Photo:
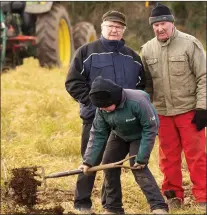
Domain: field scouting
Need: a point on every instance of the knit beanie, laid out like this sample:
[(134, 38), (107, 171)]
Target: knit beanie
[(105, 93), (161, 13)]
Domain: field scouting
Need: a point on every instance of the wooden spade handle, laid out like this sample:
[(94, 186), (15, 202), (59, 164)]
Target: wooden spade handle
[(112, 165), (93, 169), (63, 174)]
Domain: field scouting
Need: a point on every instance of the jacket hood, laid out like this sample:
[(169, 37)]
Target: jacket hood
[(105, 92)]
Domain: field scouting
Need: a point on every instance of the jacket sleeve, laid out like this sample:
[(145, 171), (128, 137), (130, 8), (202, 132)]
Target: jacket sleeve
[(149, 121), (76, 82), (98, 137), (141, 83), (198, 66), (148, 77)]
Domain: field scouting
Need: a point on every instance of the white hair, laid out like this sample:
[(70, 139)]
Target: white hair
[(104, 22)]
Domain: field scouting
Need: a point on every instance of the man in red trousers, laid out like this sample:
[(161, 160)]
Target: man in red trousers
[(175, 69)]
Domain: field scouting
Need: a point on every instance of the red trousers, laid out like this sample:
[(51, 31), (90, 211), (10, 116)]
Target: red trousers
[(177, 134)]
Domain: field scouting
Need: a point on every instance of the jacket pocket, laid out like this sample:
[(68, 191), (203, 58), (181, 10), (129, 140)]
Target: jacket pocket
[(102, 64), (177, 65), (103, 68), (153, 66)]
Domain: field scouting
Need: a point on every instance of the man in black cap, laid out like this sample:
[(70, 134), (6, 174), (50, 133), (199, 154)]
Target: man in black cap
[(110, 58), (132, 122), (175, 68)]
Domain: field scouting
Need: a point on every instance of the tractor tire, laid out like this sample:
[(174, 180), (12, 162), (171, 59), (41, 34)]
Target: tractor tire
[(83, 32), (54, 37)]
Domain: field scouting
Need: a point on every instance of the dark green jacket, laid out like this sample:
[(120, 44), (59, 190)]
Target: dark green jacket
[(134, 119)]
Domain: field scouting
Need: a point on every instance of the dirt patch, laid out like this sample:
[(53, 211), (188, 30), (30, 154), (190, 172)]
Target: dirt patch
[(23, 186), (21, 195), (56, 210)]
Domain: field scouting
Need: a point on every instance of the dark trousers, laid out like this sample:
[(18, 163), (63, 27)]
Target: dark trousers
[(116, 150), (84, 185)]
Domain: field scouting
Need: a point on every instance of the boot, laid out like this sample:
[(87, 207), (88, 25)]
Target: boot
[(108, 211), (159, 211), (85, 211), (172, 201)]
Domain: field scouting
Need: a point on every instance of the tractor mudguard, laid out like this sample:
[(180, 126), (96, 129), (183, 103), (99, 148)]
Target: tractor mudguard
[(38, 7)]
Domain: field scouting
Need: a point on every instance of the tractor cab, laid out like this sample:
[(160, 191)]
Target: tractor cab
[(13, 6), (17, 20)]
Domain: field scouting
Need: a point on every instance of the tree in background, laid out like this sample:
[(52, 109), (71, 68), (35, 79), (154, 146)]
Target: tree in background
[(190, 18)]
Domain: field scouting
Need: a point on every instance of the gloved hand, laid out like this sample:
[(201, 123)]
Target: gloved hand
[(139, 166), (200, 119), (84, 168)]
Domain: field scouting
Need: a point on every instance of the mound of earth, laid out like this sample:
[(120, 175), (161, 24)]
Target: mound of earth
[(21, 195), (23, 186)]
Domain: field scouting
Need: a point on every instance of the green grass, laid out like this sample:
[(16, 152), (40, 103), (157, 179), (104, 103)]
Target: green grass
[(40, 125)]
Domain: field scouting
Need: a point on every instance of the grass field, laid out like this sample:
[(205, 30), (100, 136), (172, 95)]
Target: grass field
[(40, 125)]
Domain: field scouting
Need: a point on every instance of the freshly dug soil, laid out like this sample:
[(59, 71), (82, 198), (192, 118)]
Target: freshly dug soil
[(22, 196), (23, 186), (57, 210), (48, 202)]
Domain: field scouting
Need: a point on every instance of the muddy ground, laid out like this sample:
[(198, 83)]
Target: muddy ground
[(22, 195)]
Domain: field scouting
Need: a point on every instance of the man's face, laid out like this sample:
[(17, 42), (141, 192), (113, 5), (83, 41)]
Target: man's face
[(112, 30), (109, 109), (163, 30)]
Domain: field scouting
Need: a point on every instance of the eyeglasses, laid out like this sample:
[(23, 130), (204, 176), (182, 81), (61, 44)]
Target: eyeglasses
[(118, 28)]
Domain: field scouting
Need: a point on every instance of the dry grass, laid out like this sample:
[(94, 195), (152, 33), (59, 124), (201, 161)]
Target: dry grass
[(40, 125)]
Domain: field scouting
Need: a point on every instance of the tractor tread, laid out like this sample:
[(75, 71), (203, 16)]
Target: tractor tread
[(47, 40), (82, 33)]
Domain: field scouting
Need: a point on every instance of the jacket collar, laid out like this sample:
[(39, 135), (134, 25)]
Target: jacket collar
[(175, 33), (112, 45)]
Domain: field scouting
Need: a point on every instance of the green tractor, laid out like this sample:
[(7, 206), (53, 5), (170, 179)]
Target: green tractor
[(41, 30)]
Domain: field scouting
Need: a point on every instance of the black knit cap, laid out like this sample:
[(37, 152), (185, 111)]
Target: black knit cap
[(161, 13), (105, 93), (114, 16)]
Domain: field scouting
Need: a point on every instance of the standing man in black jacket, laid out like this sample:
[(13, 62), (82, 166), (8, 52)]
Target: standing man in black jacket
[(110, 58)]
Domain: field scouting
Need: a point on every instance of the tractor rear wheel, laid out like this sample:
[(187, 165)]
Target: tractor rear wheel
[(54, 38), (83, 33)]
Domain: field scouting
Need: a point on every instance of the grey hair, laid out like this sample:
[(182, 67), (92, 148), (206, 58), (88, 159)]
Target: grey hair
[(102, 24)]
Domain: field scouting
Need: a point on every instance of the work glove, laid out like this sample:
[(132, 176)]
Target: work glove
[(200, 119), (139, 165)]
